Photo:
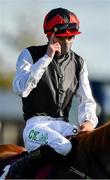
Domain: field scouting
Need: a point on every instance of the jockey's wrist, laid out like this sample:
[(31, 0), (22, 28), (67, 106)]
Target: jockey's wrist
[(87, 126)]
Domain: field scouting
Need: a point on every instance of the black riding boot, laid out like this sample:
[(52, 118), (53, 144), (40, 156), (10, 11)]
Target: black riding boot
[(73, 151), (26, 166), (22, 167)]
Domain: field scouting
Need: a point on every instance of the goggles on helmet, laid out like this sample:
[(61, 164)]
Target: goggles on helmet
[(61, 28)]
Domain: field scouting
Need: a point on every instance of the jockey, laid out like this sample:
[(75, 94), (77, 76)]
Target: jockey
[(47, 78)]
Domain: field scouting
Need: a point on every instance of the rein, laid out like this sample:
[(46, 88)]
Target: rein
[(79, 173)]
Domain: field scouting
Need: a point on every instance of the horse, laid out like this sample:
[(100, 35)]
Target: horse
[(90, 159), (93, 152)]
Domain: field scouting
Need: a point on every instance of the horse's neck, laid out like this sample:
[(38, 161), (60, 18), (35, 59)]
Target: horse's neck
[(8, 150), (96, 140)]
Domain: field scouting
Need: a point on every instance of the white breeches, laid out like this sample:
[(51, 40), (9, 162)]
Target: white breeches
[(45, 130)]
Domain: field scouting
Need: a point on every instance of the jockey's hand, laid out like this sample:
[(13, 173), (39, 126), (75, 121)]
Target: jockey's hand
[(86, 126), (53, 46)]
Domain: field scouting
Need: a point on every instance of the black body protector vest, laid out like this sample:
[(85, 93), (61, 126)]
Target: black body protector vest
[(53, 93)]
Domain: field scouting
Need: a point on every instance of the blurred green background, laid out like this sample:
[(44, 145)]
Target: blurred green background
[(21, 25)]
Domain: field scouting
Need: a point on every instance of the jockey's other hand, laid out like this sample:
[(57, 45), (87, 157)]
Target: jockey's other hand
[(86, 126)]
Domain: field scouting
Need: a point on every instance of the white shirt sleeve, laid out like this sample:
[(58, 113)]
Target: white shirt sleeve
[(86, 102), (28, 74)]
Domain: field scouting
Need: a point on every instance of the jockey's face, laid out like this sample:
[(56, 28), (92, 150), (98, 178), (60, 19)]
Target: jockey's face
[(65, 42)]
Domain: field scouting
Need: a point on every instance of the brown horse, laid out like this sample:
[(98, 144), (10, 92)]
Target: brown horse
[(93, 152), (96, 140), (92, 157)]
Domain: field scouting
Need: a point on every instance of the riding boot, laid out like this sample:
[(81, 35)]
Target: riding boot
[(20, 169), (50, 155), (73, 151), (26, 166)]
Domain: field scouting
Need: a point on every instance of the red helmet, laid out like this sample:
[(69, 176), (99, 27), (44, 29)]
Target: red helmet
[(62, 22)]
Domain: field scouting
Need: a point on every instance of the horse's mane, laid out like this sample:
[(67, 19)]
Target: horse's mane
[(95, 141)]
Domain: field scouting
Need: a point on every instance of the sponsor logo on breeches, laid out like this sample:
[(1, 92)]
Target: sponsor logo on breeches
[(36, 136)]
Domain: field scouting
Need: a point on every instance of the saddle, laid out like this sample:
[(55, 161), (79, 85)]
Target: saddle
[(37, 164)]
